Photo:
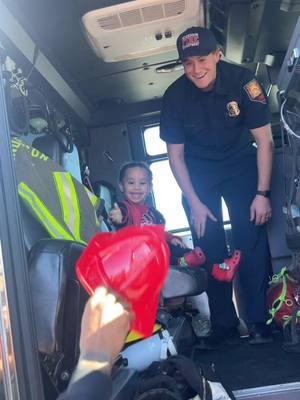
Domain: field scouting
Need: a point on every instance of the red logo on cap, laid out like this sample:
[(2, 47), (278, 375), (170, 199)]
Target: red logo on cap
[(190, 40)]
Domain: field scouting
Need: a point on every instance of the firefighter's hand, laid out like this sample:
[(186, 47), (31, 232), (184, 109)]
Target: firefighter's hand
[(260, 210), (104, 327), (199, 213), (115, 214), (176, 241)]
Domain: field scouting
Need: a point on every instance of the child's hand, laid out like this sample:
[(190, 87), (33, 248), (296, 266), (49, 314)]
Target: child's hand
[(176, 241), (115, 214)]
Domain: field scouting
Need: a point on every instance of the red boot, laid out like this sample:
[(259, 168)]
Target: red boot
[(226, 271), (193, 258)]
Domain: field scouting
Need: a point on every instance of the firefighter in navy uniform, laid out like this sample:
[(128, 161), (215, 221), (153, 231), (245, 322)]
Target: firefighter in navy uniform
[(209, 118)]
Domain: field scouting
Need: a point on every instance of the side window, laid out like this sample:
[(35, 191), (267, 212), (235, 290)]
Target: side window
[(167, 194)]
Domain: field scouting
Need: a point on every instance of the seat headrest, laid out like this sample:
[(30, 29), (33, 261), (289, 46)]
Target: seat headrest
[(106, 192), (49, 145)]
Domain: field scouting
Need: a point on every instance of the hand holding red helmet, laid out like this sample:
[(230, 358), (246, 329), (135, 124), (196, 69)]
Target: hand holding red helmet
[(132, 263)]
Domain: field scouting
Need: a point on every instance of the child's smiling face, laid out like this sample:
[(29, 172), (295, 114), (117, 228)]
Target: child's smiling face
[(136, 185)]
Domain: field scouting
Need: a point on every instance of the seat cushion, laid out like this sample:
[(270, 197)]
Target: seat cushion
[(184, 281)]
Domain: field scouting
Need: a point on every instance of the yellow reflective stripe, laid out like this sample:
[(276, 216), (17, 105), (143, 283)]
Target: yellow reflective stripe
[(69, 202), (75, 205), (40, 210), (93, 198), (16, 144), (63, 202)]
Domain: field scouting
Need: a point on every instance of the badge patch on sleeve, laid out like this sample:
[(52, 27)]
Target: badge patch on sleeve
[(255, 92)]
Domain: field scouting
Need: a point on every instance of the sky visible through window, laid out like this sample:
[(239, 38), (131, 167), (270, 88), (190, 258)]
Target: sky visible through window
[(168, 196), (166, 192), (154, 144)]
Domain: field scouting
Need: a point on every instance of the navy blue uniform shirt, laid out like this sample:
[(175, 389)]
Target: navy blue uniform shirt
[(214, 125)]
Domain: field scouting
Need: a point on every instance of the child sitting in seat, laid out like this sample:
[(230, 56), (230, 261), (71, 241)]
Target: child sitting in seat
[(135, 180)]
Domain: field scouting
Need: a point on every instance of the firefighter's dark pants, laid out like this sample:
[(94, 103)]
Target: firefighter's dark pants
[(236, 182)]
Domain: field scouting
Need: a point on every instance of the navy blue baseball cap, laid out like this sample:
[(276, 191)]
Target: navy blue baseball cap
[(196, 41)]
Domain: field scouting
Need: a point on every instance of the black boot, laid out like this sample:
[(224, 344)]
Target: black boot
[(220, 336), (260, 333)]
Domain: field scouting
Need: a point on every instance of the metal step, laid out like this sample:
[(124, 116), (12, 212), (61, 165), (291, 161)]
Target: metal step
[(286, 391)]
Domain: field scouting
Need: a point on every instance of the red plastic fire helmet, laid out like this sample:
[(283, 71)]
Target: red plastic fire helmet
[(133, 262)]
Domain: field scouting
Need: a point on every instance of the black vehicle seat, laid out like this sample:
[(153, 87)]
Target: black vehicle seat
[(107, 193), (58, 301), (48, 145), (58, 298)]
